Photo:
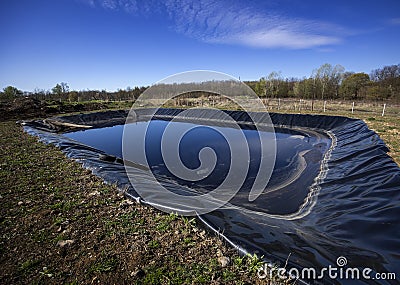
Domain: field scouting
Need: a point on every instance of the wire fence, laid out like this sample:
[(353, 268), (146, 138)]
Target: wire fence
[(293, 105), (374, 108)]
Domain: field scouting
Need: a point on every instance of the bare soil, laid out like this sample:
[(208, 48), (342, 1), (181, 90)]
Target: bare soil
[(28, 107)]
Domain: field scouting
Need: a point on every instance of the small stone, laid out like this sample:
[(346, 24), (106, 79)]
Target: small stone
[(63, 243), (94, 193), (20, 203), (223, 260), (138, 273), (129, 202), (126, 203)]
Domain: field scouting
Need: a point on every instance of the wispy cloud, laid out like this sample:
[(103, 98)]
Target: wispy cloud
[(129, 6), (232, 22), (394, 21)]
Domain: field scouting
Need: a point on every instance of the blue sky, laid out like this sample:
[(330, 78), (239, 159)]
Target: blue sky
[(110, 44)]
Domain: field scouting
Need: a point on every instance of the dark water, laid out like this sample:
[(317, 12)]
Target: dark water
[(298, 158)]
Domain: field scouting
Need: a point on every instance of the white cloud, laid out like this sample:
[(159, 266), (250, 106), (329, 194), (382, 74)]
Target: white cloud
[(232, 22), (229, 23), (129, 6), (109, 4), (279, 38), (394, 21)]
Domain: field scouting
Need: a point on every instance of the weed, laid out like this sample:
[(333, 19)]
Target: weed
[(105, 264), (188, 222), (172, 217), (228, 275), (253, 263), (127, 218), (89, 218), (239, 261), (58, 220), (187, 240), (153, 276), (57, 206), (41, 235), (29, 265), (154, 244), (163, 226)]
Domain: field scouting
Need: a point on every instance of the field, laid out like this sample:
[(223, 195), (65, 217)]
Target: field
[(387, 126), (61, 224)]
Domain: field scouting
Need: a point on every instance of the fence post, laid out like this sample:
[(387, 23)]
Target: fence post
[(352, 108), (383, 111), (279, 103), (324, 106), (300, 105)]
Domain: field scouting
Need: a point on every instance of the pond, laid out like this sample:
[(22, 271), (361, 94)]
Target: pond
[(298, 157)]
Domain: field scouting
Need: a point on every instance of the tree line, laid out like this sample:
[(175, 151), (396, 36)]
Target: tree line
[(327, 82), (333, 82), (61, 92)]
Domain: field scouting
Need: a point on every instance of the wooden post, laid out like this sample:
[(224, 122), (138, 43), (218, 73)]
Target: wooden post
[(384, 108), (324, 106), (352, 108), (279, 103), (300, 105)]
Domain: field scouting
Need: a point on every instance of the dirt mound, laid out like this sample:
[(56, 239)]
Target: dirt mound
[(21, 106), (28, 107)]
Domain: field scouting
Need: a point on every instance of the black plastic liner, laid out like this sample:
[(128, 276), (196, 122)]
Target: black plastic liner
[(357, 202)]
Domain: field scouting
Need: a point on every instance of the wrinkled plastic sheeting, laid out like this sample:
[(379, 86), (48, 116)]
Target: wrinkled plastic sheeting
[(358, 202)]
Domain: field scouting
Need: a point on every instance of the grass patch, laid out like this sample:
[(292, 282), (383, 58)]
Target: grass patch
[(105, 264), (154, 244), (28, 265)]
